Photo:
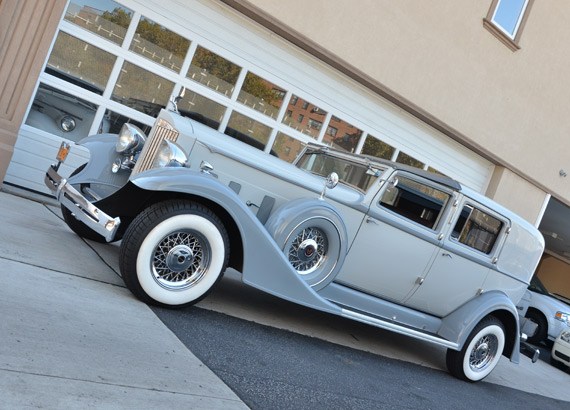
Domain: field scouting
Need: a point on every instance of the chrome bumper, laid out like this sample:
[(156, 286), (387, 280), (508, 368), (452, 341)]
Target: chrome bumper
[(81, 208)]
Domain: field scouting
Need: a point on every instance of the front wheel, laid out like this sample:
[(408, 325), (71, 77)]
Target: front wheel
[(173, 253), (481, 351)]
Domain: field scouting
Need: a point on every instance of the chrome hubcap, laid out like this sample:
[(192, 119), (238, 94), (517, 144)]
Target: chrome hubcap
[(483, 352), (180, 260), (308, 250)]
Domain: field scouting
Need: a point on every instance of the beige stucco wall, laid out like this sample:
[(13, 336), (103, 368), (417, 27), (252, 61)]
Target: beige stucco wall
[(517, 194), (27, 28), (437, 56)]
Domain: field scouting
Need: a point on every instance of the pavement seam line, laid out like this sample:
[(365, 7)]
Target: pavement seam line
[(87, 243), (62, 272), (115, 384)]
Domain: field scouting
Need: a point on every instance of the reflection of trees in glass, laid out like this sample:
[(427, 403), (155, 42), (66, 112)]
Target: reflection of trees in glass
[(216, 65), (119, 16), (406, 159), (262, 89), (162, 37), (376, 148), (261, 95), (111, 25)]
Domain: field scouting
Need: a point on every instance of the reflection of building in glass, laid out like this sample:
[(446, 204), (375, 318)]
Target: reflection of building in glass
[(304, 117), (342, 135)]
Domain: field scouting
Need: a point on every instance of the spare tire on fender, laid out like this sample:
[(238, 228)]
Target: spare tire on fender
[(313, 238)]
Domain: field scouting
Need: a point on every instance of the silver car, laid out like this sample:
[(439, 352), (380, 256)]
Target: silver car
[(370, 240)]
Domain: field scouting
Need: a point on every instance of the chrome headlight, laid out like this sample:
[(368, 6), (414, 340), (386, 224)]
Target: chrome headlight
[(565, 335), (563, 317), (169, 155), (131, 139), (67, 123)]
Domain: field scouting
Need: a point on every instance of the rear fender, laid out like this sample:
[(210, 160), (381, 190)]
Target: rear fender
[(458, 325), (264, 264)]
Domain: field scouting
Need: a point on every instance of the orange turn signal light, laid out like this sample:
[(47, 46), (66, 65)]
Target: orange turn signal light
[(63, 151)]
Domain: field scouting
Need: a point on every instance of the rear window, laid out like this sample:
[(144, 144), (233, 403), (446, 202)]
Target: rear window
[(477, 229)]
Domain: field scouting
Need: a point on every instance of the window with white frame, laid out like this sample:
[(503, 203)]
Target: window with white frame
[(506, 19), (111, 64)]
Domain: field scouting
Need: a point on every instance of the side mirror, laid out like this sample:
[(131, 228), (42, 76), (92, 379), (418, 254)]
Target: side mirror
[(330, 183)]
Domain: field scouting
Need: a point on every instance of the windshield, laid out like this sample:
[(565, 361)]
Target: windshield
[(537, 286), (351, 173)]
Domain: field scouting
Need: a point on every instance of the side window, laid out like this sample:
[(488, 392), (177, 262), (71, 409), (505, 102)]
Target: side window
[(416, 201), (506, 19), (477, 229)]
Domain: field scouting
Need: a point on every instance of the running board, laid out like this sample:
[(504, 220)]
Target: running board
[(403, 330)]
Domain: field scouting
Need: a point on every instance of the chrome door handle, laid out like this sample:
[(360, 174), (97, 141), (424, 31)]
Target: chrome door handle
[(370, 220), (447, 254)]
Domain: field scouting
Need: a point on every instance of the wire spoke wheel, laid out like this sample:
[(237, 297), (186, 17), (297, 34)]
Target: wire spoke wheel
[(308, 250), (483, 352), (180, 259)]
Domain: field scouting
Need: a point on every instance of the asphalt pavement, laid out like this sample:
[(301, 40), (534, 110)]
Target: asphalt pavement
[(72, 336)]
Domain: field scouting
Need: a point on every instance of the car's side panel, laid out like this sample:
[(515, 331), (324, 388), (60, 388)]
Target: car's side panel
[(265, 266)]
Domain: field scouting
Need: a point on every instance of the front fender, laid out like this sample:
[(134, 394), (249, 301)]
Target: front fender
[(458, 325), (102, 154), (264, 264)]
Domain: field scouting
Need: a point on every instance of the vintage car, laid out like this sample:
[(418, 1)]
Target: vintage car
[(370, 240)]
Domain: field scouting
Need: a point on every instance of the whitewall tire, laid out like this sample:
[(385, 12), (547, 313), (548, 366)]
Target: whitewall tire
[(481, 352), (174, 253)]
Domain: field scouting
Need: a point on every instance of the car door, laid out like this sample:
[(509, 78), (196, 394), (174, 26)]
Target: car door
[(398, 239), (461, 266)]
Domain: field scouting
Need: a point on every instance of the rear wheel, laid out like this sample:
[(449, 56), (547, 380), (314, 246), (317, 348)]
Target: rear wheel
[(174, 253), (481, 351)]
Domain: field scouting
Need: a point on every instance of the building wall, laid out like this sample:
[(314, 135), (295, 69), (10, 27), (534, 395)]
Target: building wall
[(27, 28), (509, 105), (554, 274), (517, 194)]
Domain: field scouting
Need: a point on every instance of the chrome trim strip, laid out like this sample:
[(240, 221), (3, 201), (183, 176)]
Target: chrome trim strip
[(399, 329), (159, 133), (81, 208)]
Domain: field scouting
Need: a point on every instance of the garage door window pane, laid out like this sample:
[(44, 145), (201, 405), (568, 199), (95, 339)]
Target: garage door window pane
[(80, 63), (342, 135), (159, 44), (304, 116), (247, 130), (261, 95), (377, 148), (112, 123), (406, 159), (61, 114), (142, 90), (213, 71), (107, 19), (286, 147), (202, 109)]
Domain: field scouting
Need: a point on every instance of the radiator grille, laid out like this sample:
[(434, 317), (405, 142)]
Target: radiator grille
[(159, 134)]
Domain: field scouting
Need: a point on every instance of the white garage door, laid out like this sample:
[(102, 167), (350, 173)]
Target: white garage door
[(118, 61)]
